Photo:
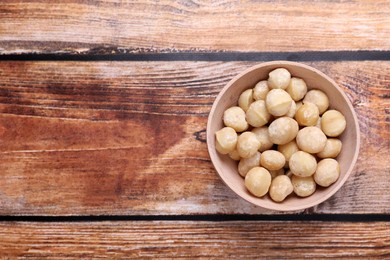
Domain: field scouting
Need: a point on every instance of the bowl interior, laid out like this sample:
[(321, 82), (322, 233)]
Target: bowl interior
[(227, 168)]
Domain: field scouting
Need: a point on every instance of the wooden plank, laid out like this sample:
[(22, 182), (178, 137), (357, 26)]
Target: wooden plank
[(127, 138), (75, 26), (194, 239)]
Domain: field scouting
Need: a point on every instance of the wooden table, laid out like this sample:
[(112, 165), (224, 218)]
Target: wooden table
[(103, 110)]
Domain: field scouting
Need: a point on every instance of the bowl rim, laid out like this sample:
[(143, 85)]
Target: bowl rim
[(345, 97)]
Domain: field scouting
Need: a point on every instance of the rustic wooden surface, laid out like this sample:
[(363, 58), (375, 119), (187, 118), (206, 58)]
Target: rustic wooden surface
[(74, 26), (102, 150), (188, 239)]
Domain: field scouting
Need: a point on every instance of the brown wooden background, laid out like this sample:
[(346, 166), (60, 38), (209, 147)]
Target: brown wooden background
[(103, 110)]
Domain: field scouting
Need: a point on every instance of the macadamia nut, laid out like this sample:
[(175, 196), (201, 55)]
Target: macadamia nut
[(327, 173), (276, 173), (245, 99), (258, 181), (283, 130), (280, 188), (307, 114), (257, 114), (234, 117), (332, 148), (263, 136), (302, 164), (226, 140), (311, 139), (303, 186), (288, 149), (318, 98), (246, 164), (261, 90), (234, 155), (296, 88), (279, 78), (293, 110), (272, 160), (247, 144), (278, 102), (333, 123)]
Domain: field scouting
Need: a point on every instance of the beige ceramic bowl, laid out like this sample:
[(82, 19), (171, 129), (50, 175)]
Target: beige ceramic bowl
[(227, 168)]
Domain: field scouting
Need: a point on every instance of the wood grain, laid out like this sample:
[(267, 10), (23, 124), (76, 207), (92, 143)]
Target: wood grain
[(128, 138), (195, 239), (81, 26)]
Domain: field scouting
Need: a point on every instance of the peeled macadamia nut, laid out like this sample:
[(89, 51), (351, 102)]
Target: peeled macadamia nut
[(296, 88), (327, 173), (302, 164), (257, 181), (261, 90), (293, 109), (234, 117), (279, 78), (278, 102), (283, 130), (280, 188), (333, 123), (311, 139), (276, 173), (226, 140), (246, 164), (299, 104), (234, 155), (272, 160), (318, 98), (263, 136), (257, 114), (303, 186), (247, 144), (318, 124), (332, 148), (288, 149), (245, 99), (307, 114)]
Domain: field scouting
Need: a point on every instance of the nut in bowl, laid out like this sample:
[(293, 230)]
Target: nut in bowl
[(280, 126)]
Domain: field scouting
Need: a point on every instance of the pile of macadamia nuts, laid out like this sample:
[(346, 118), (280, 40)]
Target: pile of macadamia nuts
[(283, 136)]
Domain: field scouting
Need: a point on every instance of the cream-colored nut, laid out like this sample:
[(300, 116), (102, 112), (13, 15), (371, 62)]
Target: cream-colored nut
[(332, 148), (318, 98), (234, 155), (257, 114), (272, 160), (333, 123), (226, 140), (288, 149), (302, 164), (263, 136), (280, 188), (318, 124), (279, 78), (311, 139), (296, 88), (234, 117), (278, 102), (247, 144), (257, 181), (307, 114), (327, 173), (283, 130), (299, 104), (246, 164), (245, 99), (293, 110), (303, 186), (261, 90), (276, 173)]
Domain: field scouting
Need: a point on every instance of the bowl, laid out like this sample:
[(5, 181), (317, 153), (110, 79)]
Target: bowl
[(227, 168)]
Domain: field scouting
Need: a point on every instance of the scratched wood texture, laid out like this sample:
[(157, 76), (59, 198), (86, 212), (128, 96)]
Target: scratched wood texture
[(74, 26), (207, 240), (128, 138)]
